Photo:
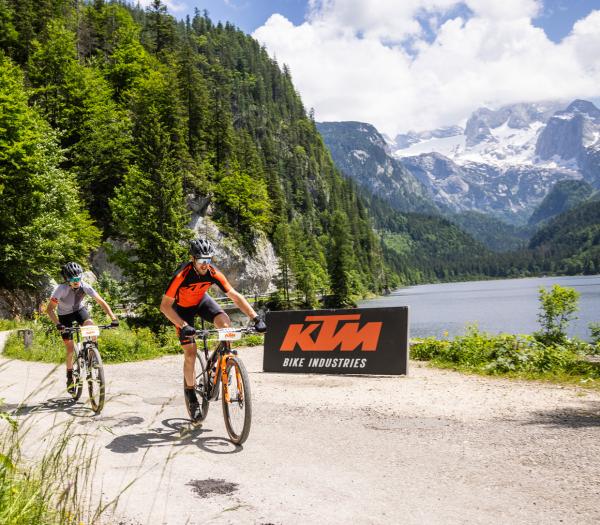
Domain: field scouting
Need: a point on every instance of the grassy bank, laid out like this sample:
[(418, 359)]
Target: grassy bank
[(116, 346), (519, 356)]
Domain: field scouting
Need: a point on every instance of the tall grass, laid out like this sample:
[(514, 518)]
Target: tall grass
[(53, 490)]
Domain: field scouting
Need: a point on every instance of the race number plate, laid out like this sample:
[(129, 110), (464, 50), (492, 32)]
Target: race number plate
[(90, 331), (226, 334)]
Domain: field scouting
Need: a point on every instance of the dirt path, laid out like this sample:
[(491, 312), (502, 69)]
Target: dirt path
[(434, 447)]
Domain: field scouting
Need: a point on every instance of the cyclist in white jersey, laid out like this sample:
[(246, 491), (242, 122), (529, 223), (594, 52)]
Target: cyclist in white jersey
[(68, 299)]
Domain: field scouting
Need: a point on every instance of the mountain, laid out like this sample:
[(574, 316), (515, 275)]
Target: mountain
[(573, 136), (508, 193), (424, 248), (361, 152), (564, 195), (495, 234), (570, 242), (504, 162)]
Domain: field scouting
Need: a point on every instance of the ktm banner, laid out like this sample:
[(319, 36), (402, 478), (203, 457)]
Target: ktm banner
[(357, 341)]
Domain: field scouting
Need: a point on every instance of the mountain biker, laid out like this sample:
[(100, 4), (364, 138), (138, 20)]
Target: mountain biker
[(68, 297), (186, 297)]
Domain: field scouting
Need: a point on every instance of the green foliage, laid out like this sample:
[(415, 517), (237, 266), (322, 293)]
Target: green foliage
[(557, 309), (116, 346), (245, 201), (41, 216), (122, 345), (515, 355), (595, 332), (115, 293), (564, 195)]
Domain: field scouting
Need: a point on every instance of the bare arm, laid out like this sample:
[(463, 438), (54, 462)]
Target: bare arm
[(240, 301), (105, 307), (50, 310), (166, 307)]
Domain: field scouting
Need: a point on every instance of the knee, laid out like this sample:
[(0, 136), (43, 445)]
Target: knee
[(222, 320)]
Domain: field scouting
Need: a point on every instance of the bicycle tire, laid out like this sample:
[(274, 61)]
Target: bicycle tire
[(95, 378), (200, 386), (238, 399), (78, 372)]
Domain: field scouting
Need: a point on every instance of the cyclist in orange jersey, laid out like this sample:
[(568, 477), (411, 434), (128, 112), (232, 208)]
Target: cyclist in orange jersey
[(186, 298)]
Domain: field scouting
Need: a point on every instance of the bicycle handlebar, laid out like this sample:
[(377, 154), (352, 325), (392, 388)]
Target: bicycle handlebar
[(73, 329), (244, 330)]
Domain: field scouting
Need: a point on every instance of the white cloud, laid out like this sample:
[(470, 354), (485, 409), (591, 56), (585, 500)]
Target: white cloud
[(347, 63)]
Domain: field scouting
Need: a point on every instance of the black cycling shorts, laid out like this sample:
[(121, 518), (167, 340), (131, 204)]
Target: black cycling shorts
[(207, 309), (68, 319)]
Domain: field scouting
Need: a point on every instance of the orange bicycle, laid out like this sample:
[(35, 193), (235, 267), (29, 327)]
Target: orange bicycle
[(223, 368)]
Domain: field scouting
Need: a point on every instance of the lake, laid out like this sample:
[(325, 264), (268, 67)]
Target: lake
[(510, 305)]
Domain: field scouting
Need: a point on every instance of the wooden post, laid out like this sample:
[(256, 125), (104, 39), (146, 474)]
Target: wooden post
[(27, 335)]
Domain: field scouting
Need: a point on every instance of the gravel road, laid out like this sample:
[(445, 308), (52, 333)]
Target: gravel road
[(433, 447)]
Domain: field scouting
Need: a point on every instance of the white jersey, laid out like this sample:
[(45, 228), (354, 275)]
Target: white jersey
[(69, 299)]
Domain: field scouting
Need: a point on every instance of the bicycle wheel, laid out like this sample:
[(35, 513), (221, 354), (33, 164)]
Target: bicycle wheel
[(201, 387), (78, 373), (237, 401), (95, 378)]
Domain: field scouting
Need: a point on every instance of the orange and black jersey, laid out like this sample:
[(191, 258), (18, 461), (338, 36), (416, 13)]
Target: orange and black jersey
[(188, 287)]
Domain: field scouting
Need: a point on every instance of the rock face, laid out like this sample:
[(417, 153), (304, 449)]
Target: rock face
[(510, 194), (571, 134), (361, 153), (248, 274)]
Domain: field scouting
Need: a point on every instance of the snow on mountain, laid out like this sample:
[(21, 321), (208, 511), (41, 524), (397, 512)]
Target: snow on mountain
[(502, 138)]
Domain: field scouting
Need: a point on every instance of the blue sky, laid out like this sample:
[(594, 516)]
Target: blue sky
[(557, 17)]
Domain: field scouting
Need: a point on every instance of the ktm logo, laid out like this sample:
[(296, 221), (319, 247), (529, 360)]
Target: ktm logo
[(197, 287), (347, 337)]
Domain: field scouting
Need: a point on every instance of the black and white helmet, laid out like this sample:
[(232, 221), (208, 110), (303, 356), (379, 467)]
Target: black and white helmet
[(71, 269), (201, 248)]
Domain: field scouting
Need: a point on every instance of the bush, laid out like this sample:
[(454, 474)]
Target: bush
[(519, 355), (558, 308)]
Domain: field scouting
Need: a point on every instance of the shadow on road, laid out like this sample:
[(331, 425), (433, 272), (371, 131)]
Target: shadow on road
[(174, 432), (58, 404), (583, 417)]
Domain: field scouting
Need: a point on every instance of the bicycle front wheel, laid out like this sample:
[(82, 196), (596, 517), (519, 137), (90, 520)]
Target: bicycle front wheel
[(95, 378), (237, 401)]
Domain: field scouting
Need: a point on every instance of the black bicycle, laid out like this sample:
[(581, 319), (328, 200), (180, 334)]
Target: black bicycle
[(223, 368), (87, 364)]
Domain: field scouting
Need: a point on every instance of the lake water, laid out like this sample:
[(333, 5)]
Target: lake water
[(510, 305)]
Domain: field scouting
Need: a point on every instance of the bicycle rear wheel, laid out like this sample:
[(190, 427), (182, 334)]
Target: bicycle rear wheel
[(237, 401), (95, 378), (78, 373), (201, 387)]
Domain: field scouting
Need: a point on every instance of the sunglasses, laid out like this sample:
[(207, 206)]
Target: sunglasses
[(74, 279), (203, 260)]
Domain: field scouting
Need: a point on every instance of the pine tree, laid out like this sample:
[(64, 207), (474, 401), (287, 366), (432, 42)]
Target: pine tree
[(340, 261), (42, 221), (150, 215)]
